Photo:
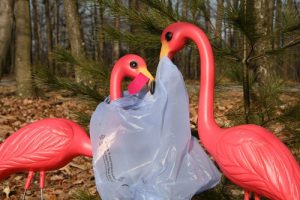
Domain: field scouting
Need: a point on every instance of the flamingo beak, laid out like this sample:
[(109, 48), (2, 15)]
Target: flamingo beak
[(151, 82), (164, 51), (151, 86)]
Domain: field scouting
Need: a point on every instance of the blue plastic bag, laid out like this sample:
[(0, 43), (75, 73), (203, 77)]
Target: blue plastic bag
[(142, 145)]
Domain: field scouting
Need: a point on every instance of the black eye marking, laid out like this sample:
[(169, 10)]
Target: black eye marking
[(169, 36), (133, 64)]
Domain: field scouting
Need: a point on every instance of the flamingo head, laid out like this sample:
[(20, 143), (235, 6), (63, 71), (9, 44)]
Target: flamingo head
[(174, 38), (131, 66)]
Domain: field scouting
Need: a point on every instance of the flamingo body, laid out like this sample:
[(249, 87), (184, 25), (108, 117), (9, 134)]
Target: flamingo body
[(44, 145), (249, 155), (256, 160)]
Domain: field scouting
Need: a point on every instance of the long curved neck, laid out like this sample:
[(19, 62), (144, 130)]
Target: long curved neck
[(82, 143), (116, 78), (206, 120)]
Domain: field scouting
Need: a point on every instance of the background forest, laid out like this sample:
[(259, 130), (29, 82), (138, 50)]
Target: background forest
[(56, 56)]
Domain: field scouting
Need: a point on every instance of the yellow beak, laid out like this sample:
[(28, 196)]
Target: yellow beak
[(145, 71), (151, 82), (164, 51)]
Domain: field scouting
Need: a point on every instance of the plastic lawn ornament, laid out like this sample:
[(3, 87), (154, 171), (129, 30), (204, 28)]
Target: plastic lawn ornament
[(50, 144), (41, 146), (142, 145), (129, 66), (249, 155)]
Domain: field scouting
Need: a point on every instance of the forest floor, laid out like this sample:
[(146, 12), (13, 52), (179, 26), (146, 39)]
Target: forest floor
[(78, 175)]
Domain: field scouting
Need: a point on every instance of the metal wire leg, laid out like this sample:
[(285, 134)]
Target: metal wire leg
[(23, 197), (42, 182), (27, 183), (42, 194)]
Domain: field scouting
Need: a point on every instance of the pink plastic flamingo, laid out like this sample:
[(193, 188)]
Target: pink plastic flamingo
[(249, 155), (44, 145), (132, 66), (50, 144)]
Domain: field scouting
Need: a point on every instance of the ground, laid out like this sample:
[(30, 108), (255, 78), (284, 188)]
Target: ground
[(78, 175)]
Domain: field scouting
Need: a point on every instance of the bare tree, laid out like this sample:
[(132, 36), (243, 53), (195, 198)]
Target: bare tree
[(74, 33), (278, 21), (36, 32), (49, 33), (6, 25), (57, 24), (261, 22), (207, 17), (247, 8), (101, 39), (23, 49), (238, 40), (94, 19), (219, 18), (270, 19), (116, 43)]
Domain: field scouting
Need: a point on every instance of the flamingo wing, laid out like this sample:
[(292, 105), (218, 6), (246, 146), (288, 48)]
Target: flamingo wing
[(34, 144), (257, 161)]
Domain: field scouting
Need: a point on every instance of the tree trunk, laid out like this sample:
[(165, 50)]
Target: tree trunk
[(238, 40), (186, 52), (207, 18), (290, 71), (270, 18), (100, 34), (246, 84), (95, 30), (75, 34), (57, 17), (219, 18), (36, 32), (23, 49), (184, 6), (278, 23), (133, 4), (262, 62), (262, 44), (116, 43), (6, 26), (290, 5), (49, 35), (280, 68), (248, 7), (11, 70)]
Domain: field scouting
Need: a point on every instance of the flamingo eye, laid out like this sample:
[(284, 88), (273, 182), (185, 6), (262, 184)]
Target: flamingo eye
[(169, 36), (133, 64)]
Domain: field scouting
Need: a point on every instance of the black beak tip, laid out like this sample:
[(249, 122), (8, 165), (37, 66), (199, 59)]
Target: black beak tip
[(152, 87)]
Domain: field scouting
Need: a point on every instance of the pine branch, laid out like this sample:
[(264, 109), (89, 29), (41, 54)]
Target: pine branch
[(148, 19), (95, 70), (242, 21), (45, 79), (163, 8), (227, 53), (292, 43), (138, 41)]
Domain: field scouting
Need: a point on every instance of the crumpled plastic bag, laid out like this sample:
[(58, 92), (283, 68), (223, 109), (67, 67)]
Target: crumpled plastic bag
[(142, 145)]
